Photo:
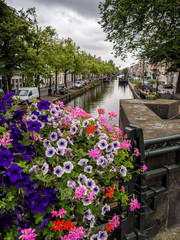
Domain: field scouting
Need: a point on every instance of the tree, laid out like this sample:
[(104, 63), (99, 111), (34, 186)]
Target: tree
[(13, 35), (36, 65), (150, 28)]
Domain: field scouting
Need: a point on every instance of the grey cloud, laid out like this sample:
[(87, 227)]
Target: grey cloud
[(87, 8)]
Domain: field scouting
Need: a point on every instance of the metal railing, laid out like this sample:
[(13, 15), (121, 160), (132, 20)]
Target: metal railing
[(132, 226)]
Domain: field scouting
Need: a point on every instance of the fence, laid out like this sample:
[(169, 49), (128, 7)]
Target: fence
[(150, 185)]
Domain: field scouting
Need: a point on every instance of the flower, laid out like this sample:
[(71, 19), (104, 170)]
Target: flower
[(134, 204), (90, 129), (43, 104), (82, 162), (61, 212), (50, 152), (6, 157), (144, 168), (111, 193), (58, 171), (45, 168), (14, 173), (88, 169), (68, 167), (123, 171), (34, 126), (102, 144), (53, 136), (28, 234), (102, 235), (62, 143), (105, 208)]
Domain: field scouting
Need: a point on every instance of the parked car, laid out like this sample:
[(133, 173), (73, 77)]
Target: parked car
[(168, 85), (27, 93), (61, 90), (78, 84), (2, 94), (147, 85)]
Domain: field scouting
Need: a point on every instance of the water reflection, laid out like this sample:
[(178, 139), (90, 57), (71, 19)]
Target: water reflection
[(106, 95)]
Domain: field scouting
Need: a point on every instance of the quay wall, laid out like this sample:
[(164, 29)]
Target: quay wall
[(157, 118)]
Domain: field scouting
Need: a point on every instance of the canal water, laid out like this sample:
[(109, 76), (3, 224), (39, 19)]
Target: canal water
[(105, 95)]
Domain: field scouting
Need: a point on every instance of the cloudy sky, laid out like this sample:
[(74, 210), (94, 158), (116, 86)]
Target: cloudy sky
[(76, 19)]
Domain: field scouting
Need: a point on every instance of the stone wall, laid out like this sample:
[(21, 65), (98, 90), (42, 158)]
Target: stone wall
[(154, 118)]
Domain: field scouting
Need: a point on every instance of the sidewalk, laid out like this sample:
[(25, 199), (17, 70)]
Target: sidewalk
[(172, 234)]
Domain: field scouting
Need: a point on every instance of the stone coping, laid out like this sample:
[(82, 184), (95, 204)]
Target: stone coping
[(137, 112)]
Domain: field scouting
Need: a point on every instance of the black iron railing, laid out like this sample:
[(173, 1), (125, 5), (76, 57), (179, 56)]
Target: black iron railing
[(132, 226)]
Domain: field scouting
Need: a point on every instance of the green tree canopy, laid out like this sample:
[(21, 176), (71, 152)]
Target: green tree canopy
[(150, 28)]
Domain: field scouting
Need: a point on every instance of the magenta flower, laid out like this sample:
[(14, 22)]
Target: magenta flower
[(94, 153), (28, 234), (136, 151), (61, 212), (144, 168), (134, 204), (80, 191)]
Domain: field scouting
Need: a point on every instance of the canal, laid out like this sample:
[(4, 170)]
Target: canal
[(105, 95)]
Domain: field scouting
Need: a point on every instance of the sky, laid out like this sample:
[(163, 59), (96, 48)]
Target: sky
[(75, 19)]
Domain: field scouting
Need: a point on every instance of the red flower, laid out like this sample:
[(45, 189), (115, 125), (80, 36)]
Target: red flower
[(90, 129), (58, 225), (109, 227), (68, 225), (61, 225), (111, 193)]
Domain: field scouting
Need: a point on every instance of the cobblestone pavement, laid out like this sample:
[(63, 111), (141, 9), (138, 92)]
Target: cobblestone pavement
[(172, 234)]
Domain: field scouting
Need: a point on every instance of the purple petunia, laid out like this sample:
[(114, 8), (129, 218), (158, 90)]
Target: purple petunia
[(81, 179), (46, 143), (68, 166), (33, 169), (34, 126), (105, 209), (94, 237), (83, 162), (43, 104), (87, 202), (85, 123), (73, 129), (109, 148), (102, 235), (102, 161), (62, 143), (71, 183), (53, 136), (14, 173), (45, 168), (123, 171), (58, 171), (88, 169), (6, 157), (60, 151), (90, 183), (92, 221), (87, 215), (53, 111), (50, 152), (116, 144), (102, 144), (96, 189)]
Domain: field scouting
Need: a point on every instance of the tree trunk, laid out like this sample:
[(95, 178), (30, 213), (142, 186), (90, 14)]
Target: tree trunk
[(56, 73), (65, 78), (178, 84)]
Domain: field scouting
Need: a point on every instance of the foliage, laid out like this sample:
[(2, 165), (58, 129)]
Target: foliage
[(60, 163), (138, 82), (150, 28)]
